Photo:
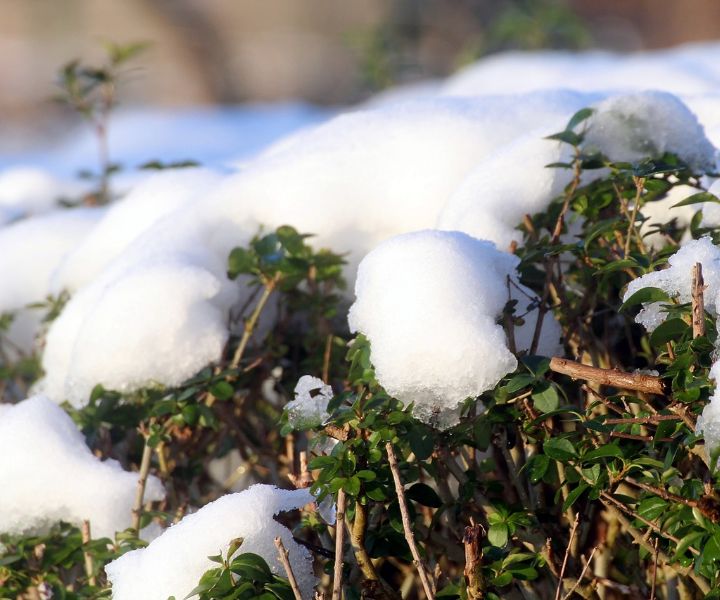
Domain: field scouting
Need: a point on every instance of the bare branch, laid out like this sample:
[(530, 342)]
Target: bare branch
[(283, 554), (698, 301), (639, 382), (424, 578), (339, 542)]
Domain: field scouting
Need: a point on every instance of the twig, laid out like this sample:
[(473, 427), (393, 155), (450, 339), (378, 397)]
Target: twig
[(140, 491), (326, 357), (251, 323), (424, 578), (639, 185), (645, 420), (283, 554), (473, 562), (339, 542), (582, 574), (567, 555), (639, 382), (698, 302), (89, 564), (654, 579)]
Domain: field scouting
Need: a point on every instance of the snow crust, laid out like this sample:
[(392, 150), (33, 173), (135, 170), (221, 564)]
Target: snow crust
[(309, 408), (48, 474), (174, 562), (676, 280)]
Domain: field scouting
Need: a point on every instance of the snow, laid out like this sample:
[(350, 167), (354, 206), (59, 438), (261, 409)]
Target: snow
[(27, 190), (690, 69), (625, 128), (48, 474), (309, 408), (30, 250), (149, 201), (174, 562), (708, 423), (676, 280), (428, 303)]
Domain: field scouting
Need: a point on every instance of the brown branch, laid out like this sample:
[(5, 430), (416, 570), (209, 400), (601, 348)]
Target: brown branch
[(567, 555), (87, 557), (698, 301), (283, 554), (582, 574), (407, 527), (639, 382), (644, 420), (339, 542), (140, 491), (473, 562), (327, 354), (654, 579)]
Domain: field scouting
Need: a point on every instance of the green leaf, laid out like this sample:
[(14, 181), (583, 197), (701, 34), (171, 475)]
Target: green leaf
[(560, 449), (645, 296), (698, 198), (222, 390), (240, 261), (687, 541), (606, 451), (574, 495), (538, 466), (252, 567), (545, 397), (421, 442), (580, 116), (670, 330), (569, 137), (424, 494), (498, 534)]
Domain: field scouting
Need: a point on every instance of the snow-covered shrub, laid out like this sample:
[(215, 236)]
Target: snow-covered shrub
[(447, 425)]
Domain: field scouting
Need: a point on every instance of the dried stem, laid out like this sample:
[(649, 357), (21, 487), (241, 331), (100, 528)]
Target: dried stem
[(698, 301), (251, 323), (140, 491), (326, 358), (582, 574), (654, 579), (473, 563), (567, 555), (283, 554), (339, 542), (88, 559), (645, 420), (407, 528), (639, 382)]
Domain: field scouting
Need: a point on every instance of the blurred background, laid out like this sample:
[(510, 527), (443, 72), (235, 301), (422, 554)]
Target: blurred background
[(325, 52)]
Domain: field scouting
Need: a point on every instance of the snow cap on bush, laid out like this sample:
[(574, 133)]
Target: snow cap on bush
[(634, 126), (174, 562), (676, 280), (48, 474), (147, 202), (428, 302), (309, 408)]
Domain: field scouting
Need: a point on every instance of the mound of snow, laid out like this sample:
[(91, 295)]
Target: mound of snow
[(31, 250), (690, 69), (48, 474), (632, 127), (30, 190), (174, 562), (428, 302), (148, 202)]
